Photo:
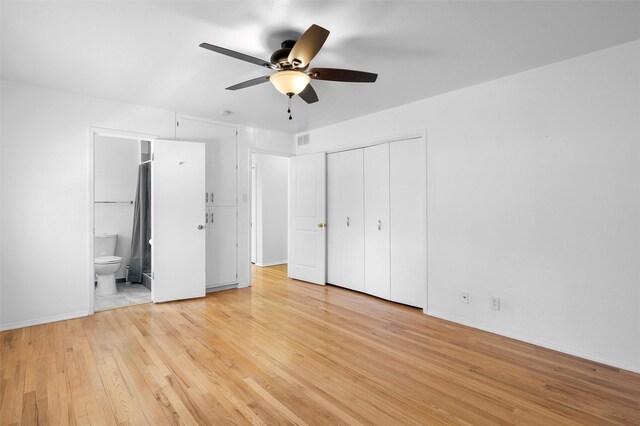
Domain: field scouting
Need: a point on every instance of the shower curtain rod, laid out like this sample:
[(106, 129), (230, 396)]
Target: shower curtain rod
[(113, 202)]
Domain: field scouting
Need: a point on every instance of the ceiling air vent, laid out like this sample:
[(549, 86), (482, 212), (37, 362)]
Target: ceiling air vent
[(303, 140)]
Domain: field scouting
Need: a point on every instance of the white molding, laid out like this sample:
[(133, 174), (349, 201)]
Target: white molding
[(260, 151), (281, 262), (44, 320), (222, 287), (535, 341), (122, 134), (204, 120), (393, 137)]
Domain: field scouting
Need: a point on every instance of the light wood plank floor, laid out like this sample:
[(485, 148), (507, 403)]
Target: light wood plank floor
[(286, 352)]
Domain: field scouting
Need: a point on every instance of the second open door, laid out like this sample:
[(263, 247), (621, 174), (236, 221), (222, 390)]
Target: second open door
[(307, 218)]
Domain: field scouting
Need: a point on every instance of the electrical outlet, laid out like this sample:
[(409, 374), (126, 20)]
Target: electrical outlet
[(465, 297), (495, 303)]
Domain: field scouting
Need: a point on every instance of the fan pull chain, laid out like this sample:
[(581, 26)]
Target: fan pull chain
[(289, 109)]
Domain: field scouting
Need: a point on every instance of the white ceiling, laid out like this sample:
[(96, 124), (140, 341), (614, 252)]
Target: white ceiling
[(147, 52)]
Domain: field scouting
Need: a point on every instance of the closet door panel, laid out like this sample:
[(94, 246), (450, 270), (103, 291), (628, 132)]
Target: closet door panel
[(222, 248), (352, 220), (221, 152), (334, 214), (408, 222), (376, 220), (223, 167)]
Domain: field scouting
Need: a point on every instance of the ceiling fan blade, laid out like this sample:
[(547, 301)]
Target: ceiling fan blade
[(336, 74), (237, 55), (307, 46), (309, 95), (249, 83)]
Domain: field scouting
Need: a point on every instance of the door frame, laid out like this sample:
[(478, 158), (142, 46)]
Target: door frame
[(93, 132), (253, 224), (250, 153)]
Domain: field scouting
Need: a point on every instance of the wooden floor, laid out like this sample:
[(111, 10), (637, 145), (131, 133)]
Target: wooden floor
[(290, 352)]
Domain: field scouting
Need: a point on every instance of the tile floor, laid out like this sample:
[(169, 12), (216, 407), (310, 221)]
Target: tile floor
[(128, 294)]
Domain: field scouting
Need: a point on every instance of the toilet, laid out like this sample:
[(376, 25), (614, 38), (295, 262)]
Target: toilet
[(106, 264)]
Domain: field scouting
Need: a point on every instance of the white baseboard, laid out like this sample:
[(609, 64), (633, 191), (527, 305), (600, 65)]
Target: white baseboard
[(222, 287), (534, 341), (43, 320), (281, 262)]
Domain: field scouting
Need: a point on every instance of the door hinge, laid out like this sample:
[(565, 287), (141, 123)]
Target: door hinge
[(236, 167), (236, 245), (153, 275), (153, 156), (177, 124)]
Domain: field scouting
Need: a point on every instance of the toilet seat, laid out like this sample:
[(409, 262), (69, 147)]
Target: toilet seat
[(107, 260)]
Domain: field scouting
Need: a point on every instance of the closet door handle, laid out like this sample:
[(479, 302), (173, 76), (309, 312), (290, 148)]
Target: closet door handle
[(347, 220), (379, 225)]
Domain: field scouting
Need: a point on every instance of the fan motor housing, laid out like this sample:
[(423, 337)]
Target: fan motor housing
[(281, 56)]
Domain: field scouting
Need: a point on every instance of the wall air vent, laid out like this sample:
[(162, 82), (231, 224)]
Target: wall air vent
[(303, 140)]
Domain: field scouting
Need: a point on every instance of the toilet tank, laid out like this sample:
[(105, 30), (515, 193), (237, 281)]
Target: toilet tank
[(105, 245)]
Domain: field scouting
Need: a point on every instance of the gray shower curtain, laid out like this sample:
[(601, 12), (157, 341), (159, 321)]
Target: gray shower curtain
[(140, 247)]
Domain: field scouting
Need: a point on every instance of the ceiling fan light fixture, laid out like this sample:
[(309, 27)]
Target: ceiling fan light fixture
[(289, 81)]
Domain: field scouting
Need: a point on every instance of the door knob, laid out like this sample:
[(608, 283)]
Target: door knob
[(321, 225), (200, 227)]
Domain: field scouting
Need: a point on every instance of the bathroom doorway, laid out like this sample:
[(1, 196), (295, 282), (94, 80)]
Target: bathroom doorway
[(173, 207), (269, 210), (122, 229)]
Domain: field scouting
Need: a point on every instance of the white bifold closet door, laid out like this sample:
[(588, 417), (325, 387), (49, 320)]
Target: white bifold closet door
[(376, 221), (345, 226), (408, 213)]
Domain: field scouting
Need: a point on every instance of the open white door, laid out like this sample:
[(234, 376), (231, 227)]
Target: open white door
[(177, 220), (307, 218)]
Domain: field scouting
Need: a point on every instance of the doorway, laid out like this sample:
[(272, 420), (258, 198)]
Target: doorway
[(174, 211), (269, 210), (121, 181)]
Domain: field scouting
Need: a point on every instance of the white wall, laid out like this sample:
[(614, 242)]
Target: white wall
[(272, 186), (534, 197), (116, 179), (45, 195)]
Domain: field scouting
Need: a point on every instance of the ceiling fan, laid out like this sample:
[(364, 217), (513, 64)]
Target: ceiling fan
[(291, 62)]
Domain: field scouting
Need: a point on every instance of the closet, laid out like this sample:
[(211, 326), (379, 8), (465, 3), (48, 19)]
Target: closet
[(376, 204), (221, 196)]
